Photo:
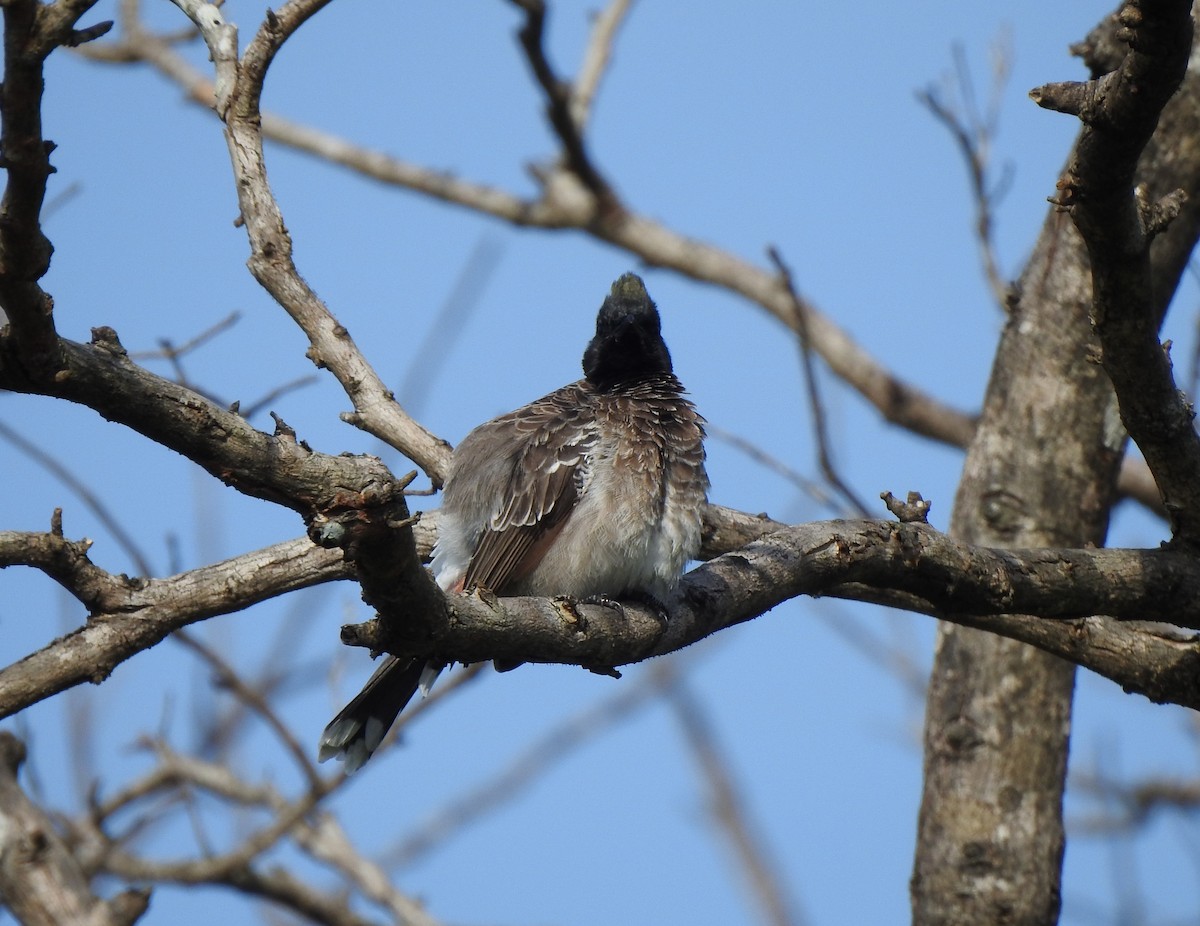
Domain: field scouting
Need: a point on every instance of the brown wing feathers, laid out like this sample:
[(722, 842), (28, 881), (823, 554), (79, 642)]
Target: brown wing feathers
[(541, 493)]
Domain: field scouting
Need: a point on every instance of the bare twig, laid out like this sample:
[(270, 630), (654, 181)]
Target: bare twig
[(219, 866), (533, 762), (170, 351), (809, 487), (181, 771), (908, 664), (434, 350), (274, 395), (290, 892), (1137, 802), (973, 131), (820, 431), (730, 813), (177, 776), (238, 90), (327, 842), (596, 59), (90, 500), (229, 679), (560, 105)]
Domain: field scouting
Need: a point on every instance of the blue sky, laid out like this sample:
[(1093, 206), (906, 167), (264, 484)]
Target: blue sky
[(744, 125)]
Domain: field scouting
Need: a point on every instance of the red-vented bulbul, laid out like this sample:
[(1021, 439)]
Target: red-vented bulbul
[(595, 490)]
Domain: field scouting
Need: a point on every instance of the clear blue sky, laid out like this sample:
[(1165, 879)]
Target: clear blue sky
[(742, 124)]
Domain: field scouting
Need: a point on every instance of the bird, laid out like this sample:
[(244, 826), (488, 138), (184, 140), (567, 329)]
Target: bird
[(593, 492)]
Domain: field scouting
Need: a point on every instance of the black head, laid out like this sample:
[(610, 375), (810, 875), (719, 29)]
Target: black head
[(628, 344)]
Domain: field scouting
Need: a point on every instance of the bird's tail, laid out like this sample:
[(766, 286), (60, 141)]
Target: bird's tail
[(356, 732)]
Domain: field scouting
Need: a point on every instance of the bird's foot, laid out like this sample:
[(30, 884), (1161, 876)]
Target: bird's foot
[(605, 601), (656, 607), (661, 614)]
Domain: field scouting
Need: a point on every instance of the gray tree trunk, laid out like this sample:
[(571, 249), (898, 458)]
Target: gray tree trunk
[(1040, 472)]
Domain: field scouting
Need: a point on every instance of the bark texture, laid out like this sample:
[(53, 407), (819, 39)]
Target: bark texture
[(1040, 472), (41, 881)]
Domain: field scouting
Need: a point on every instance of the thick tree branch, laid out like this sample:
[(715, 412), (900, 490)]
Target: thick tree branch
[(911, 566), (31, 32), (24, 250), (278, 468), (350, 502), (131, 615), (41, 881), (1119, 112)]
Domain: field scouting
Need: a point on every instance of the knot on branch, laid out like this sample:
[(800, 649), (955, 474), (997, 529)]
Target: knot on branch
[(12, 752), (77, 37), (913, 510), (565, 196), (1073, 97), (1158, 216), (374, 529), (105, 339)]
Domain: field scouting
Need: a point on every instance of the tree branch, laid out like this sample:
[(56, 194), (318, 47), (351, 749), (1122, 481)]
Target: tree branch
[(66, 562), (560, 107), (278, 468), (281, 887), (911, 566), (730, 813), (131, 615), (812, 390), (1119, 112), (238, 92), (897, 401), (498, 791), (650, 241), (596, 59), (973, 132), (31, 32), (317, 835), (41, 880)]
